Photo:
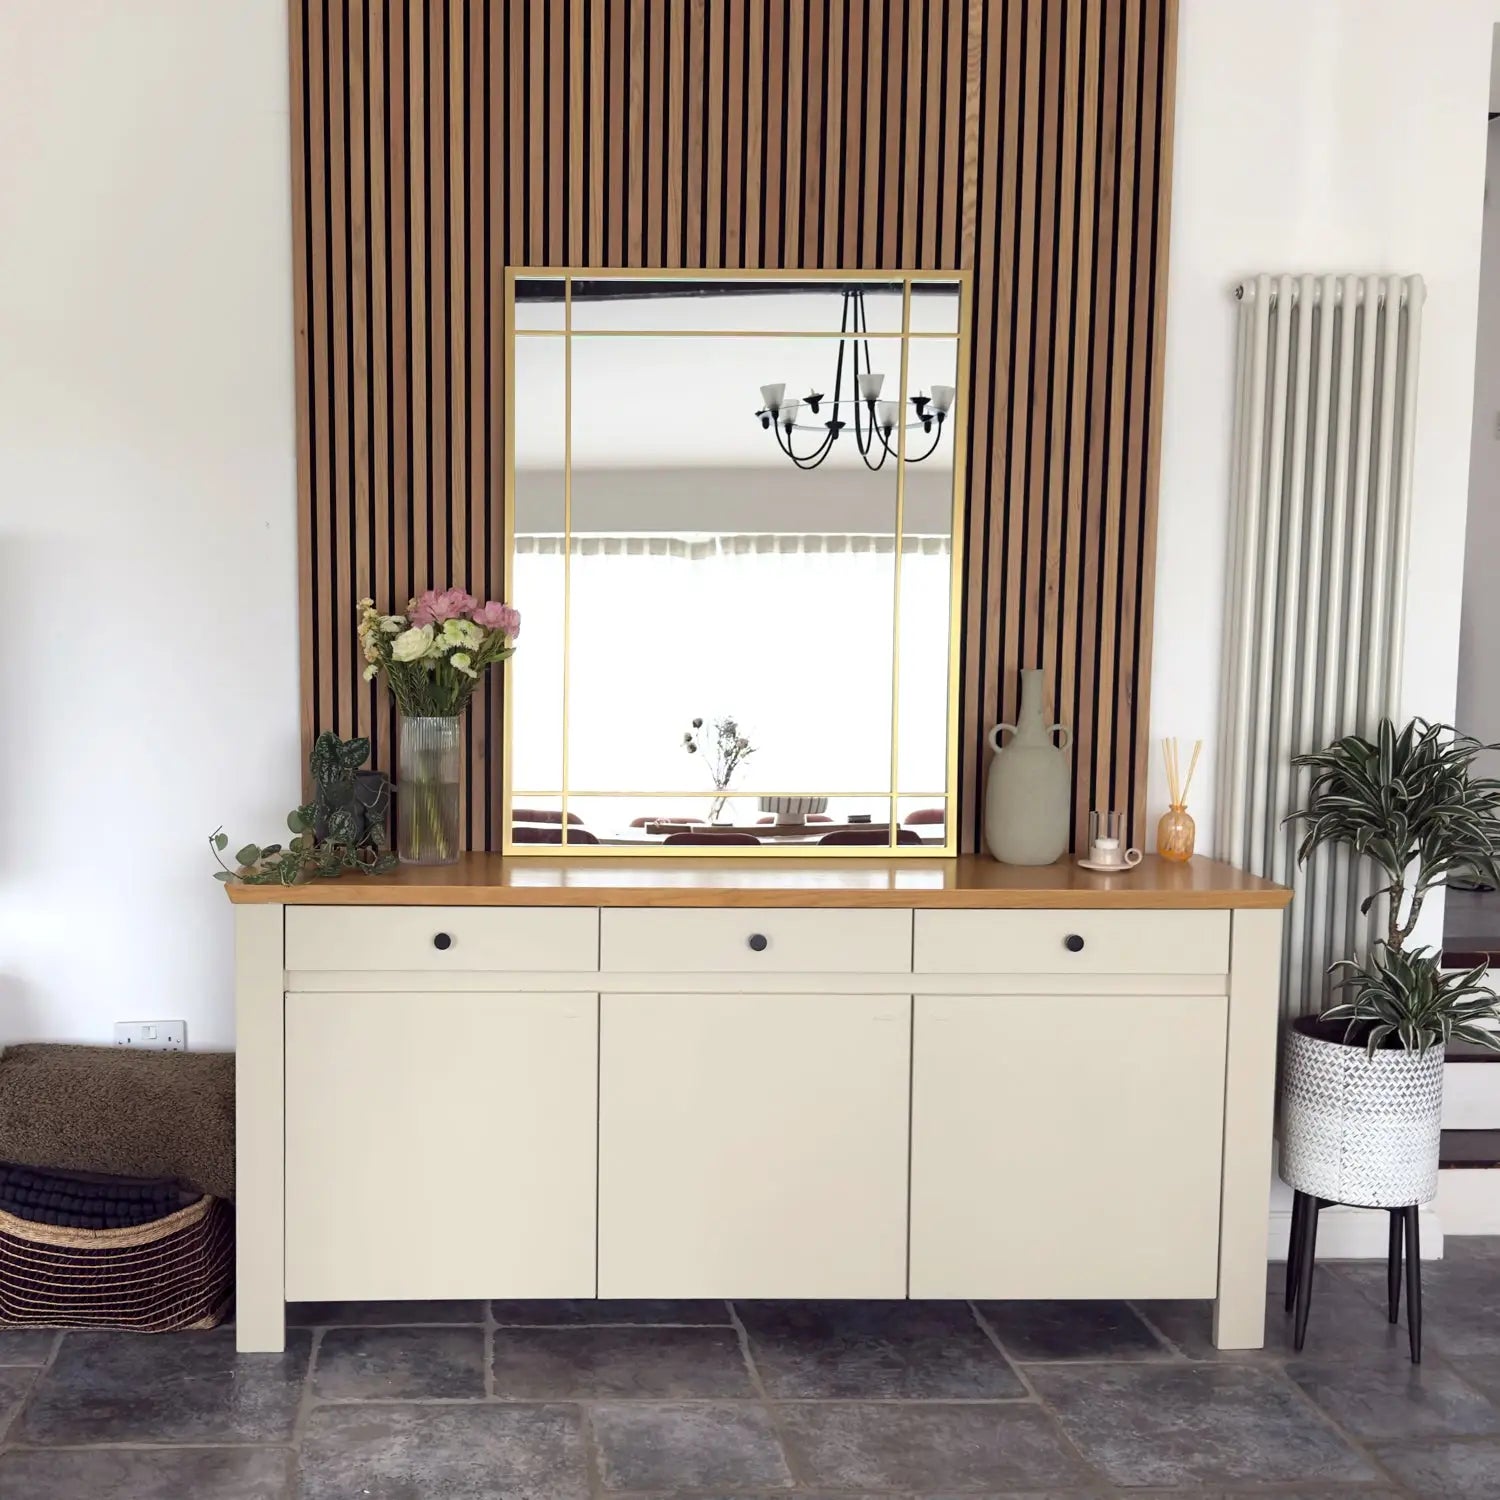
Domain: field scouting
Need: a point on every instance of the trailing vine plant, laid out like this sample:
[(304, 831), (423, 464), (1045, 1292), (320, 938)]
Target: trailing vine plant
[(342, 829)]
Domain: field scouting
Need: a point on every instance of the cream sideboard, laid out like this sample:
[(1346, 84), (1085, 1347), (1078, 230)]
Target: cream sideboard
[(950, 1078)]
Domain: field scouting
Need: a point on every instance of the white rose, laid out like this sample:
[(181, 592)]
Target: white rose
[(412, 645)]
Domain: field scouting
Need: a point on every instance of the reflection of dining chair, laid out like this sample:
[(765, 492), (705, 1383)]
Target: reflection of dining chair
[(869, 836), (924, 815), (810, 818), (549, 833), (648, 819), (691, 837), (541, 815)]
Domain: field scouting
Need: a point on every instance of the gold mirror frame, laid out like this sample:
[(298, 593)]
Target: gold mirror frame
[(905, 279)]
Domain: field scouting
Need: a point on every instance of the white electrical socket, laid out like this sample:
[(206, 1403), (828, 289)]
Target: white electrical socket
[(159, 1036)]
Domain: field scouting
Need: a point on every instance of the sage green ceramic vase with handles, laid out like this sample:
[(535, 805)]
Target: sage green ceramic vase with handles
[(1030, 784)]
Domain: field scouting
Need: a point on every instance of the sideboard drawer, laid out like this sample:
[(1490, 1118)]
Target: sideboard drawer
[(1072, 942), (752, 940), (435, 939)]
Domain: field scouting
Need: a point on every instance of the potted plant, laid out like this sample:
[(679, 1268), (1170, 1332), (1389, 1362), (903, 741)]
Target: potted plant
[(1362, 1083)]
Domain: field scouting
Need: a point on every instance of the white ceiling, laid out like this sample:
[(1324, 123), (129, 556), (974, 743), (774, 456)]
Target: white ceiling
[(690, 401)]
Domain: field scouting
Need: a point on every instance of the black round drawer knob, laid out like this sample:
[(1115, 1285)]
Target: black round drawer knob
[(759, 942), (1073, 943), (442, 942)]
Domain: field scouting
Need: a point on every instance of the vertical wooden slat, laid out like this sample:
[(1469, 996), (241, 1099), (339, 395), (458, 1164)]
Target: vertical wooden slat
[(598, 113), (653, 142), (773, 136), (439, 474), (359, 338), (419, 556), (379, 585), (1077, 453), (341, 443), (736, 18), (715, 219), (1156, 310), (618, 192), (674, 100), (1120, 340), (1027, 141), (984, 87), (795, 112), (302, 356), (695, 88), (577, 85), (831, 157), (516, 134)]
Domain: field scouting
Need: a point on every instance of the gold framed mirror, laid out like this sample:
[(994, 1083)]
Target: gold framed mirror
[(733, 513)]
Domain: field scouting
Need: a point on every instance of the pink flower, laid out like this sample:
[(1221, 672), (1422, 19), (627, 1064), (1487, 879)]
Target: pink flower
[(432, 608), (497, 616)]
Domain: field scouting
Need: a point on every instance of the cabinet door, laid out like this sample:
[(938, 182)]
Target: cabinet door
[(753, 1145), (440, 1145), (1066, 1146)]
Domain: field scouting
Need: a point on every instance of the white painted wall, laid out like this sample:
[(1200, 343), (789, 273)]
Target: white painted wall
[(148, 672), (1345, 135), (1479, 636)]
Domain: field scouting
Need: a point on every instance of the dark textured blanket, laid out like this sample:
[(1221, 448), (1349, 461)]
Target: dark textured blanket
[(117, 1110)]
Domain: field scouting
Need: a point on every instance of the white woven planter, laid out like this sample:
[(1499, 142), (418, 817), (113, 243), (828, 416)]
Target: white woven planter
[(793, 810), (1356, 1129)]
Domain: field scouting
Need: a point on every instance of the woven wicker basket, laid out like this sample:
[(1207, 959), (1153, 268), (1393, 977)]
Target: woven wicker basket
[(172, 1273)]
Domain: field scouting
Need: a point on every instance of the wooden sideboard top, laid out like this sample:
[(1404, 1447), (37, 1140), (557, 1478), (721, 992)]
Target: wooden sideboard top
[(969, 881)]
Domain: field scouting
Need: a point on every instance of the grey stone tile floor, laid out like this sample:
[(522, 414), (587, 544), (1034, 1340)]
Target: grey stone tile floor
[(748, 1400)]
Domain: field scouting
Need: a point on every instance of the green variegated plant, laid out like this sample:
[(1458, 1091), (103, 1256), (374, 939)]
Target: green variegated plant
[(1402, 997), (1410, 802)]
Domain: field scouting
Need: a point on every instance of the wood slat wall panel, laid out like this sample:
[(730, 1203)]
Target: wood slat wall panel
[(1026, 141)]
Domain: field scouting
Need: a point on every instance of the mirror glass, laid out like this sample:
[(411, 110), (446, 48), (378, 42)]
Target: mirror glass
[(732, 544)]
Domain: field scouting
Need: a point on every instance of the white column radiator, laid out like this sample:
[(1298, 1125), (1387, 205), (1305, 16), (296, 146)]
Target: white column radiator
[(1315, 603)]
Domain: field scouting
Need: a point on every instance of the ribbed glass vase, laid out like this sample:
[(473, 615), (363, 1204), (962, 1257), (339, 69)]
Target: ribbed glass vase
[(427, 791)]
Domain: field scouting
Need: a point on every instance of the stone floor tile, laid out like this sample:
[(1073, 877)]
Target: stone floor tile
[(399, 1364), (662, 1364), (147, 1473), (1397, 1401), (875, 1350), (929, 1447), (14, 1384), (1447, 1471), (1071, 1330), (1342, 1324), (1483, 1373), (660, 1447), (1460, 1299), (1165, 1425), (26, 1346), (487, 1451), (537, 1313), (381, 1314), (165, 1388)]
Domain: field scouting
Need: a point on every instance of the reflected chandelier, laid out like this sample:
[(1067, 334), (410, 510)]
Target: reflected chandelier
[(874, 419)]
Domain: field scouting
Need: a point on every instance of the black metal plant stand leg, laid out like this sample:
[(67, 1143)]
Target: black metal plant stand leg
[(1404, 1243)]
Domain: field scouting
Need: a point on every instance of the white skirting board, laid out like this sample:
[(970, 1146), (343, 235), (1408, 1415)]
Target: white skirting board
[(1467, 1202), (1355, 1233)]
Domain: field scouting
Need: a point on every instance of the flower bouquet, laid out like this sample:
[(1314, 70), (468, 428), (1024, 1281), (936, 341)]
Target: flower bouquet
[(433, 657), (723, 753)]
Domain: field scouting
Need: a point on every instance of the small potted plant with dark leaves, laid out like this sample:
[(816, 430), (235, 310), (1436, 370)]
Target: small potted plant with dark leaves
[(1362, 1084)]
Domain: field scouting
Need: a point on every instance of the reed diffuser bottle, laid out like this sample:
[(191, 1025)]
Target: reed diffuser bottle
[(1176, 832)]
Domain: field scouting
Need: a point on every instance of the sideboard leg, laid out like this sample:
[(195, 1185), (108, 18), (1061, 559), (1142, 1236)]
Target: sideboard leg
[(259, 979), (1249, 1111)]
